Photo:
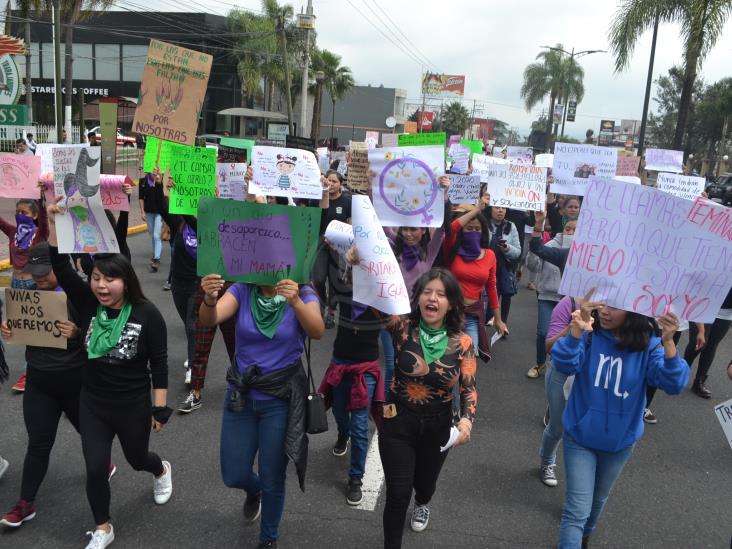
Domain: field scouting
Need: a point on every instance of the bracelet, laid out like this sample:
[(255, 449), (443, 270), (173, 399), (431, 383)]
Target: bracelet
[(207, 305)]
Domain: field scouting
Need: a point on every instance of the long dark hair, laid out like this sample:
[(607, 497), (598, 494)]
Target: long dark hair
[(485, 237), (118, 266), (336, 173), (455, 317), (634, 333), (423, 243)]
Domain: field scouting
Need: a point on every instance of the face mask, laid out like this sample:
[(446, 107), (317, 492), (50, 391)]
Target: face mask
[(470, 246), (25, 231), (410, 256)]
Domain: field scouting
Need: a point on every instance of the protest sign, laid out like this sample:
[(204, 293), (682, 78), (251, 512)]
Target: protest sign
[(339, 235), (521, 155), (453, 140), (518, 186), (663, 160), (499, 152), (257, 243), (230, 180), (34, 317), (574, 165), (303, 143), (377, 279), (280, 171), (237, 144), (544, 160), (458, 158), (193, 170), (112, 192), (19, 175), (628, 179), (483, 165), (627, 165), (404, 185), (421, 139), (172, 92), (342, 167), (463, 189), (389, 139), (687, 187), (323, 159), (650, 252), (45, 151), (160, 153), (372, 139), (475, 146), (724, 415), (358, 168)]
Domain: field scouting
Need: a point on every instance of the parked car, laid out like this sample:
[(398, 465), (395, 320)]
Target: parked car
[(208, 139), (122, 139), (721, 186)]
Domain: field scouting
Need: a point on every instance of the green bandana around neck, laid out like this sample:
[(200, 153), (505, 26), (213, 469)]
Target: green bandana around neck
[(266, 311), (106, 331), (433, 341)]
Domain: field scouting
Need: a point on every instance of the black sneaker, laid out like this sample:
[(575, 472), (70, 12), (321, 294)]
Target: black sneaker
[(354, 496), (253, 508), (190, 403), (341, 446)]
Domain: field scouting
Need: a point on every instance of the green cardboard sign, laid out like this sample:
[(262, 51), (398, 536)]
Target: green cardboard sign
[(167, 150), (193, 169), (476, 147), (419, 139), (256, 243)]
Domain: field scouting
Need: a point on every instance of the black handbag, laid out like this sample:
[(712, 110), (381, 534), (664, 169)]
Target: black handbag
[(316, 418)]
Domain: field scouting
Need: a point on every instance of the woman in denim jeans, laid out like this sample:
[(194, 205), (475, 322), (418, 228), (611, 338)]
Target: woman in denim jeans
[(272, 323), (613, 365)]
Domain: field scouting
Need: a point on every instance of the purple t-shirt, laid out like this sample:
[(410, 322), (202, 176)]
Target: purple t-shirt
[(561, 316), (254, 348)]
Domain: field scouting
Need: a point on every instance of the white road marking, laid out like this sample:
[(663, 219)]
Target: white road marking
[(374, 477)]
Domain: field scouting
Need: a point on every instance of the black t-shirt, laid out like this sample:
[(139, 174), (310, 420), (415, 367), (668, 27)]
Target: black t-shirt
[(185, 266), (357, 340), (338, 209), (147, 195)]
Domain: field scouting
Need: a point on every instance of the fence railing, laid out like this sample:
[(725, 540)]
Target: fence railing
[(41, 134)]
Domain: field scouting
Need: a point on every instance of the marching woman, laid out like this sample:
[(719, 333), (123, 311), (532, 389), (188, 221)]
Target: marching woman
[(614, 355), (126, 352), (264, 411), (433, 355)]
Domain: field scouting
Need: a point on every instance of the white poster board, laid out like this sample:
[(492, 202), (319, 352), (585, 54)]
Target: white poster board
[(45, 151), (518, 186), (389, 139), (230, 180), (280, 171), (664, 160), (464, 189), (688, 187), (574, 165), (458, 157), (650, 252), (544, 160), (483, 165), (339, 235), (724, 415), (521, 155), (377, 279)]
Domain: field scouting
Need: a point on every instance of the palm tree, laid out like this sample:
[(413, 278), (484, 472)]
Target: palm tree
[(702, 22), (280, 15), (455, 118), (338, 81), (255, 54)]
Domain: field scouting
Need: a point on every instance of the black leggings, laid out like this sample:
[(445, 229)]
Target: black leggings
[(409, 445), (184, 299), (101, 420), (47, 395), (714, 333), (321, 276)]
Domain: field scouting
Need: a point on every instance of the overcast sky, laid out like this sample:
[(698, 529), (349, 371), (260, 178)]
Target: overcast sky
[(490, 42)]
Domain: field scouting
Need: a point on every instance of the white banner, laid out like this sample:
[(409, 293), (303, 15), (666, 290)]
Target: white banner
[(687, 187), (518, 186), (377, 279), (230, 180), (574, 165), (483, 165), (464, 189), (664, 160), (279, 171)]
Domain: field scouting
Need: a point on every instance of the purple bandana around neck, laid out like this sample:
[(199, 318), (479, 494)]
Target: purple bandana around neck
[(150, 180), (25, 231), (410, 256), (190, 241), (469, 248), (357, 309)]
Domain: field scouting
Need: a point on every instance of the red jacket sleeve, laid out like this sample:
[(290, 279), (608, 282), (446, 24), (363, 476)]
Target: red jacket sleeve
[(7, 228), (451, 238), (490, 285), (42, 233)]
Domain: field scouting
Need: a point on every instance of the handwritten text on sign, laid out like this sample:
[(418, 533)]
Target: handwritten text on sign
[(464, 189), (574, 165), (687, 187), (650, 252), (664, 160), (34, 317), (19, 175), (724, 415), (518, 186), (194, 171)]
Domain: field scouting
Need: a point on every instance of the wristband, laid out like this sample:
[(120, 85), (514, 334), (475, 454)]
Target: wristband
[(161, 414), (207, 305)]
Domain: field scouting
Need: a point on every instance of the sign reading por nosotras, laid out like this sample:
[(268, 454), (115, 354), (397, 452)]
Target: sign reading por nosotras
[(33, 316)]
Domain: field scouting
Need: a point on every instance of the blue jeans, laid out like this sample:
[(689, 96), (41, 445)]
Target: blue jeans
[(259, 427), (542, 326), (590, 477), (388, 347), (354, 423), (554, 392), (471, 328), (154, 226), (18, 284)]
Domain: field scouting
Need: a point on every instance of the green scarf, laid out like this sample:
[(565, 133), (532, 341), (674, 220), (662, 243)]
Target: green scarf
[(266, 311), (433, 341), (106, 331)]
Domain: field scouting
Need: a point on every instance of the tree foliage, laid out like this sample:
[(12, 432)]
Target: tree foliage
[(455, 118)]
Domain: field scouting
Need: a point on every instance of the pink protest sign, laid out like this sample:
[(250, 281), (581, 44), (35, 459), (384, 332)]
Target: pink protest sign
[(647, 251), (19, 176), (627, 166)]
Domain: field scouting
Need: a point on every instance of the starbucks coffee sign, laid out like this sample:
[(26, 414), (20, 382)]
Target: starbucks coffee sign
[(9, 80)]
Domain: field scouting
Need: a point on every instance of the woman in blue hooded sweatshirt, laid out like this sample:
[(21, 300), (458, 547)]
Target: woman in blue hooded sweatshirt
[(603, 418)]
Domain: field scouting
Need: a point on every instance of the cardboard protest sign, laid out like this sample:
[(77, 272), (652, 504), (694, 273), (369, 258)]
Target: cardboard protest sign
[(521, 155), (544, 160), (377, 279), (304, 143), (650, 252), (230, 180), (518, 186), (340, 235), (112, 192), (84, 227), (404, 185), (161, 153), (664, 160), (463, 189), (627, 166), (172, 91), (458, 158), (484, 165), (421, 139), (34, 315), (19, 176), (257, 243), (389, 139), (372, 139), (724, 415), (358, 169), (193, 169), (687, 187), (285, 172), (574, 165)]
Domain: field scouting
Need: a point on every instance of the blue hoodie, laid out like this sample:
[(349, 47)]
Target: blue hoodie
[(605, 407)]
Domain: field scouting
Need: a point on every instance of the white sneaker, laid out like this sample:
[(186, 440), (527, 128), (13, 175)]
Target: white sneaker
[(163, 486), (420, 517), (3, 466), (188, 377), (185, 364), (100, 539)]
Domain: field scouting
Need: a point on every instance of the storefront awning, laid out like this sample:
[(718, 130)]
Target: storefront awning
[(252, 113)]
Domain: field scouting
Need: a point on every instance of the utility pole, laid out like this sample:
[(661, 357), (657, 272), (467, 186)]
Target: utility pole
[(421, 112), (649, 81), (566, 96), (57, 69), (305, 21), (28, 84), (288, 90)]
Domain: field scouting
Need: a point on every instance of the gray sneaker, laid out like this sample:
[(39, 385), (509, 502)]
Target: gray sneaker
[(190, 403), (548, 475), (420, 517)]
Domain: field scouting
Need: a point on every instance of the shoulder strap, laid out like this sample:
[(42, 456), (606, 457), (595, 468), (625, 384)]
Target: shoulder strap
[(311, 382)]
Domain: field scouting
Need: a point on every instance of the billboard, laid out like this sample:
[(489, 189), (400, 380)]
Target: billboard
[(443, 85), (427, 119)]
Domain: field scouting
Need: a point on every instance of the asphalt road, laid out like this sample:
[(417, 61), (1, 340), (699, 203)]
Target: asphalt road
[(675, 491)]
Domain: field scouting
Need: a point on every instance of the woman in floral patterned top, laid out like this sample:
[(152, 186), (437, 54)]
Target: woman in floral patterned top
[(433, 354)]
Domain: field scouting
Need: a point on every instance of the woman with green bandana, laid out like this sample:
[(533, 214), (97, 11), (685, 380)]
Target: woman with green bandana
[(264, 410), (433, 355), (126, 352)]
